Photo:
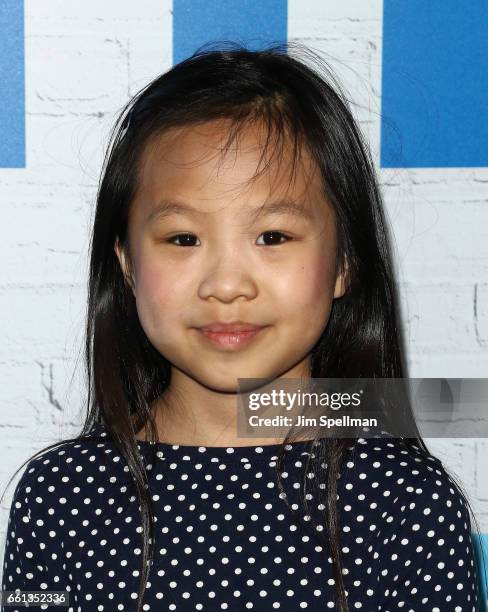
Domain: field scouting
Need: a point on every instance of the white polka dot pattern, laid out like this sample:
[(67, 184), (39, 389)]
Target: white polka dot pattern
[(225, 538)]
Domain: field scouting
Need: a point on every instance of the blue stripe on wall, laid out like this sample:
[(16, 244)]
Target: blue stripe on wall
[(434, 84), (12, 84), (253, 23)]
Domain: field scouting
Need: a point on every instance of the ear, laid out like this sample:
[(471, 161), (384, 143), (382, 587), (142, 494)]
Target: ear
[(125, 265), (342, 281)]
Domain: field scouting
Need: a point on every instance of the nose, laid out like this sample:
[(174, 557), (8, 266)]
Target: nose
[(229, 278)]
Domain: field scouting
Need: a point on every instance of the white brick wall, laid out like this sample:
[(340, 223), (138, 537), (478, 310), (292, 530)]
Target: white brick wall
[(83, 60)]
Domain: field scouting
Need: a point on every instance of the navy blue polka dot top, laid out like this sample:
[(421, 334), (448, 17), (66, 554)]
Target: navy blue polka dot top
[(224, 537)]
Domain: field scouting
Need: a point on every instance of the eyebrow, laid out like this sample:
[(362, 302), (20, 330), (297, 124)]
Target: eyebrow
[(167, 208)]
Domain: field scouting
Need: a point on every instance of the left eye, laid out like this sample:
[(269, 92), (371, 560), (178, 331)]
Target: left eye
[(185, 237), (276, 235)]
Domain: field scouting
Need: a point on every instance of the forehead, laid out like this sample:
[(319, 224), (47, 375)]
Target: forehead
[(202, 165)]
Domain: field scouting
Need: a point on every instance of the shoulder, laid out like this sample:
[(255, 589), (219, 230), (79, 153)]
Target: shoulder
[(422, 545), (396, 461), (71, 465), (399, 478)]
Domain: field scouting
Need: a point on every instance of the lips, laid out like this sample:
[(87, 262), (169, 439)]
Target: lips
[(230, 328), (230, 336)]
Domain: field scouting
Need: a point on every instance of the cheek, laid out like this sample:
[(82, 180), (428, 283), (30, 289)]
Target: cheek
[(322, 279), (158, 297), (310, 284), (307, 302)]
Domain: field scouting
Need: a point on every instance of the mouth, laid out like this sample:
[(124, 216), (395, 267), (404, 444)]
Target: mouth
[(231, 336), (231, 328)]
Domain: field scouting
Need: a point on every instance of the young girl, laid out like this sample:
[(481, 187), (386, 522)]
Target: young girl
[(239, 233)]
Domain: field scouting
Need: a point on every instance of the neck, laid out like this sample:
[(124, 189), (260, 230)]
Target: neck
[(204, 417)]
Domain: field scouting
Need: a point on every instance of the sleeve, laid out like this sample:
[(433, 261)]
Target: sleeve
[(26, 566), (427, 562)]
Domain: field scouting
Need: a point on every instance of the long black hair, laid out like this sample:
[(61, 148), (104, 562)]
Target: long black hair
[(300, 103)]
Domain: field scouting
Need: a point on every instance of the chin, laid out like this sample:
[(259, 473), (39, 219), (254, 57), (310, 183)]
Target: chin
[(227, 382), (220, 386), (231, 385)]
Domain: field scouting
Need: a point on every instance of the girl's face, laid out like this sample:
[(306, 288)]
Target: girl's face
[(218, 262)]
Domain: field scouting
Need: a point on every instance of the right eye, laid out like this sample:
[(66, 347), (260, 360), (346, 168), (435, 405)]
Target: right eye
[(186, 239)]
